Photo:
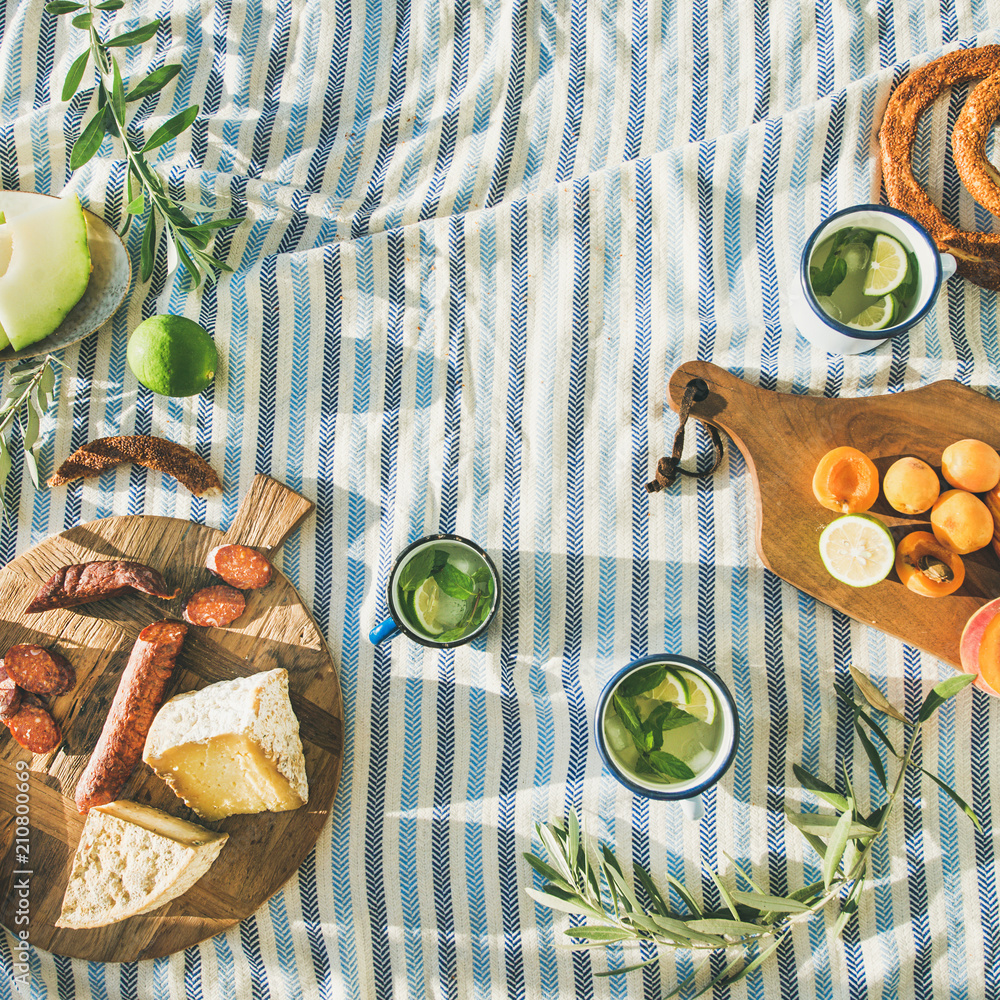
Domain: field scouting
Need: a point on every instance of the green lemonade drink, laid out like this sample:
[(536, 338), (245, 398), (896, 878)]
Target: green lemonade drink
[(663, 724), (864, 278), (445, 590)]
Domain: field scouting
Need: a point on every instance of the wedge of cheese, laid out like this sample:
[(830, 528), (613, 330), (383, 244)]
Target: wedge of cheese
[(132, 859), (231, 748)]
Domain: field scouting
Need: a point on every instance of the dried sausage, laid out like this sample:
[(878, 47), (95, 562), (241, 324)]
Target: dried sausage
[(39, 670), (10, 694), (95, 581), (140, 692), (219, 606), (33, 727), (240, 566)]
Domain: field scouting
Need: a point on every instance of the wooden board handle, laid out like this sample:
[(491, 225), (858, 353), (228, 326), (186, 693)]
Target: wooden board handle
[(269, 513)]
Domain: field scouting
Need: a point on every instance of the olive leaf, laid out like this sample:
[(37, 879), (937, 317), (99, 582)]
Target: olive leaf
[(32, 383), (941, 692), (873, 696), (190, 239)]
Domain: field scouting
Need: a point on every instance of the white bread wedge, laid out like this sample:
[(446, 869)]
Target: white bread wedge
[(132, 859)]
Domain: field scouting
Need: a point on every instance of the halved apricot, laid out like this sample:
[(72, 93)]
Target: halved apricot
[(846, 481), (961, 521), (926, 567), (971, 465)]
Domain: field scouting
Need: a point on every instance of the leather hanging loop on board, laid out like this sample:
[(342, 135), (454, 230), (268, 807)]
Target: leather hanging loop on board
[(668, 468)]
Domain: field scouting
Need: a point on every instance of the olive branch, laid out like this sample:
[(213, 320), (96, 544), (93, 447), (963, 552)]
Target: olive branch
[(31, 385), (754, 920), (190, 239)]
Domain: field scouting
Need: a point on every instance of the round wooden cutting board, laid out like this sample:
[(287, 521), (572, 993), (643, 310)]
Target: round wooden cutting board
[(276, 630)]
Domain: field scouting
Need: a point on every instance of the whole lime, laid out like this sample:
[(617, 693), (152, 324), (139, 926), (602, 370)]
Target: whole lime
[(172, 355)]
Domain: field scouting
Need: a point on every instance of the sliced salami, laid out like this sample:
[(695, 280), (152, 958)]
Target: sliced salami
[(240, 566), (10, 695), (33, 727), (218, 606), (39, 670)]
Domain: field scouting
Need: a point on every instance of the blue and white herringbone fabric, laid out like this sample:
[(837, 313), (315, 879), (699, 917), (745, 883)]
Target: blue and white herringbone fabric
[(480, 236)]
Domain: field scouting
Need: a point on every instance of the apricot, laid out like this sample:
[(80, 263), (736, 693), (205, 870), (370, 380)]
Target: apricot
[(971, 465), (846, 481), (926, 567), (910, 485), (961, 521)]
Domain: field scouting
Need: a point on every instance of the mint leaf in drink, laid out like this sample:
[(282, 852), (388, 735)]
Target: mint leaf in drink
[(455, 583), (626, 710), (643, 680), (417, 570), (479, 612), (671, 766), (825, 280), (666, 716)]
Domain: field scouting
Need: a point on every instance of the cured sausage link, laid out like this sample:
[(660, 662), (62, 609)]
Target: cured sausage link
[(39, 670), (95, 581), (140, 692)]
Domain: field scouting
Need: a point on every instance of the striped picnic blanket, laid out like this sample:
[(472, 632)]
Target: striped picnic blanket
[(480, 236)]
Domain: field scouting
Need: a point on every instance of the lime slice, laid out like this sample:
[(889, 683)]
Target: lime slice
[(887, 267), (427, 601), (857, 550), (877, 316), (701, 699), (671, 688)]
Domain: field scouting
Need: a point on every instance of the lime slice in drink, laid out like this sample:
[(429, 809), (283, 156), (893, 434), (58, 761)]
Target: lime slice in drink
[(701, 699), (857, 550), (427, 602), (673, 688), (877, 316), (887, 267)]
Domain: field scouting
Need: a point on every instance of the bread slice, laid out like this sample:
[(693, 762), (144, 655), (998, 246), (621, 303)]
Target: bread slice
[(132, 859)]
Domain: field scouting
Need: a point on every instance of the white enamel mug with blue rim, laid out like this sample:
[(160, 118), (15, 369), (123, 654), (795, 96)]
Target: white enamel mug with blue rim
[(396, 624), (838, 338), (688, 793)]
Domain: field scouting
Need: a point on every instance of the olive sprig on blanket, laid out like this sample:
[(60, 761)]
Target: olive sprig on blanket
[(190, 239), (31, 386), (751, 918)]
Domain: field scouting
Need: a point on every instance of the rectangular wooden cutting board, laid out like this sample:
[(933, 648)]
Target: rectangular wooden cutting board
[(782, 437)]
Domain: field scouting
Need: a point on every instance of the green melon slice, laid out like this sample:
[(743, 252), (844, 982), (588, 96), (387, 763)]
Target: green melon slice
[(44, 266)]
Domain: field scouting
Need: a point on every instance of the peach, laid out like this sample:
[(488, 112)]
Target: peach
[(971, 465), (846, 481), (910, 485), (981, 655), (961, 521)]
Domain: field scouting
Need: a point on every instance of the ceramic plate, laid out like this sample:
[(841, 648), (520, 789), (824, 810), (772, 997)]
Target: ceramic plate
[(109, 281)]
